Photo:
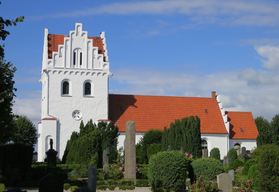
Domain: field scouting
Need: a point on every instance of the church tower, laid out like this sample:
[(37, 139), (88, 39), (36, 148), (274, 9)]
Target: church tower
[(75, 72)]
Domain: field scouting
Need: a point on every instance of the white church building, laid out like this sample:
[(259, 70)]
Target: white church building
[(75, 79)]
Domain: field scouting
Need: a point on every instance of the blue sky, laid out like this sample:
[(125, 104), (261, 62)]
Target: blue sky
[(167, 47)]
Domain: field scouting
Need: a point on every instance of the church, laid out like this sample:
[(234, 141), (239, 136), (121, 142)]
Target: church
[(75, 78)]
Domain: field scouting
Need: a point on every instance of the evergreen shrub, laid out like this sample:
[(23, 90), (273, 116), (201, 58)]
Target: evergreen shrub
[(124, 187), (235, 164), (73, 188), (215, 153), (247, 166), (140, 154), (257, 152), (2, 187), (102, 187), (208, 167), (232, 154), (269, 169), (253, 173), (100, 182), (203, 185), (15, 161), (142, 183), (126, 182), (111, 187), (112, 182), (66, 186), (167, 170), (153, 149), (150, 137)]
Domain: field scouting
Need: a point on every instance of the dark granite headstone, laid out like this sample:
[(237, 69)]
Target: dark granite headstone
[(92, 178), (50, 183), (51, 155), (247, 157), (243, 152)]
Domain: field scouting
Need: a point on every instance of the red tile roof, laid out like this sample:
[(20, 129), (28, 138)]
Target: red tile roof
[(245, 121), (55, 40), (156, 112)]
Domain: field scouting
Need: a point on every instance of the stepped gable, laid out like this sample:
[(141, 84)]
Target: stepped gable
[(54, 40), (156, 112), (242, 125)]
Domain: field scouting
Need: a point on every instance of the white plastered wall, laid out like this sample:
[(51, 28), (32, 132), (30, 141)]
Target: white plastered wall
[(121, 139), (248, 143), (60, 68), (47, 130)]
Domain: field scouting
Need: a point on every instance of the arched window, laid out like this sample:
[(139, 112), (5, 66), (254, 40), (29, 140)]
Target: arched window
[(204, 144), (87, 88), (77, 57), (65, 88)]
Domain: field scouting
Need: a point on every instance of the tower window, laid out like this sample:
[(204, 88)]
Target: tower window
[(74, 58), (66, 88), (87, 88), (80, 59)]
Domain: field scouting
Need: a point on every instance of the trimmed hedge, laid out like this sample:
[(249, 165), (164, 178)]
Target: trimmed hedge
[(215, 153), (2, 187), (247, 166), (123, 187), (208, 167), (168, 169), (111, 187), (153, 149), (142, 183), (66, 186), (253, 173), (127, 182), (235, 164), (232, 154)]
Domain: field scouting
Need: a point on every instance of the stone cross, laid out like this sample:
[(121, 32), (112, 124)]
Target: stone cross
[(224, 181), (51, 144), (92, 178), (130, 151)]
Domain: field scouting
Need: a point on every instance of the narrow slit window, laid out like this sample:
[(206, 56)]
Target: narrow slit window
[(80, 59), (87, 88), (66, 88), (74, 58)]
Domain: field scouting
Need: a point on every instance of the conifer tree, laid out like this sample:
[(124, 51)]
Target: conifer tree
[(81, 129), (165, 139), (171, 136), (178, 134)]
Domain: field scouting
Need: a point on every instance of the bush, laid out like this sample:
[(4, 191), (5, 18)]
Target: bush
[(14, 167), (257, 152), (247, 166), (150, 137), (215, 153), (100, 182), (2, 187), (112, 182), (111, 187), (73, 188), (127, 182), (153, 149), (115, 172), (174, 164), (208, 167), (232, 154), (235, 164), (202, 185), (142, 183), (253, 173), (123, 187), (140, 154), (39, 172), (66, 186), (102, 187), (269, 169)]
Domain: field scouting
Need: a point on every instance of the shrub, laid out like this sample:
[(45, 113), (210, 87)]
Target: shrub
[(123, 187), (73, 188), (247, 166), (257, 152), (112, 182), (140, 154), (208, 167), (111, 187), (40, 172), (2, 187), (202, 185), (215, 153), (13, 166), (174, 164), (235, 164), (126, 182), (253, 173), (115, 171), (232, 154), (153, 149), (100, 182), (66, 186), (245, 185), (102, 187), (269, 169), (150, 137), (142, 183)]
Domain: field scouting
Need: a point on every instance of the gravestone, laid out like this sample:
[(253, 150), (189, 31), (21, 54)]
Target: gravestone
[(51, 155), (231, 172), (227, 161), (169, 148), (243, 152), (247, 157), (106, 160), (130, 151), (204, 152), (182, 150), (224, 181), (92, 178), (50, 183)]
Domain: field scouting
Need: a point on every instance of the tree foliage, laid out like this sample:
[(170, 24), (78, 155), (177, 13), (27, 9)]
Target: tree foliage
[(6, 84), (275, 129), (184, 133), (264, 129), (150, 137), (24, 131)]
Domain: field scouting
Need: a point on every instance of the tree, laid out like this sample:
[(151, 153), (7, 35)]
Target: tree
[(6, 85), (24, 131), (264, 129), (275, 129)]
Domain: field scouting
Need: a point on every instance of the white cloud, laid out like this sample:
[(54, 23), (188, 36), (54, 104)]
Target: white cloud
[(201, 11), (272, 55), (235, 87)]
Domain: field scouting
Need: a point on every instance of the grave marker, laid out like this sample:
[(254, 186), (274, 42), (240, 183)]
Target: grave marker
[(224, 181), (231, 172), (50, 183), (92, 178)]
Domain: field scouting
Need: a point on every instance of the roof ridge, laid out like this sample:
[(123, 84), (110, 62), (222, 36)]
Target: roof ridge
[(159, 96)]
